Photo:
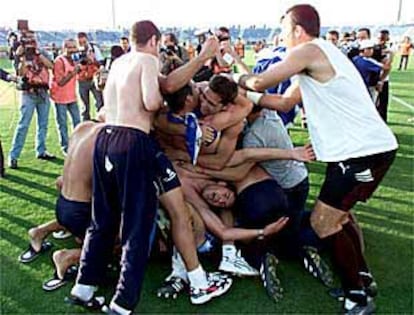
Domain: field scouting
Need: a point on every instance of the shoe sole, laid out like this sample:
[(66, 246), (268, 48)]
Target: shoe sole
[(216, 293), (271, 282), (238, 273)]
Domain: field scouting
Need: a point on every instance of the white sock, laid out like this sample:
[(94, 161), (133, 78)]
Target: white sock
[(198, 278), (83, 291), (178, 267), (229, 250), (115, 307)]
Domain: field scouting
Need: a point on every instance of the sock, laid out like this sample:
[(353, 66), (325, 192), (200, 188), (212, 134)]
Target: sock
[(229, 250), (198, 278), (83, 291), (346, 259), (115, 307), (355, 234), (178, 267)]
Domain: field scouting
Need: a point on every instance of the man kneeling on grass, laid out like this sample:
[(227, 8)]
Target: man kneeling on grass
[(73, 206)]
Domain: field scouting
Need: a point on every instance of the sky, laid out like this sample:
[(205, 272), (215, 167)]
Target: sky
[(97, 14)]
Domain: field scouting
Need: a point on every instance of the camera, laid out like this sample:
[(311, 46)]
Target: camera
[(169, 50), (22, 84), (81, 56), (29, 53)]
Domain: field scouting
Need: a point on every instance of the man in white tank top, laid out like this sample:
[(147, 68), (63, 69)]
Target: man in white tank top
[(346, 132)]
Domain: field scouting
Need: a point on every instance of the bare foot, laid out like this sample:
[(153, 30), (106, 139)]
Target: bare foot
[(65, 258), (36, 238)]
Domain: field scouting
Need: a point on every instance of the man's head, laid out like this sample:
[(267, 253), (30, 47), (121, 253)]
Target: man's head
[(146, 36), (383, 37), (82, 39), (124, 42), (181, 101), (366, 48), (300, 24), (169, 39), (116, 52), (333, 37), (219, 92), (69, 47), (219, 195), (363, 33), (223, 34)]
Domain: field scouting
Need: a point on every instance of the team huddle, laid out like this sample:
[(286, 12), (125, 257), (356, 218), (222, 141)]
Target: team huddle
[(216, 159)]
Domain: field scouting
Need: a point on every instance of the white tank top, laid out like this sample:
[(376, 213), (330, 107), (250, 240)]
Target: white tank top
[(342, 120)]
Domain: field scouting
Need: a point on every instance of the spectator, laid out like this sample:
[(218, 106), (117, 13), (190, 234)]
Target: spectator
[(34, 70), (55, 51), (172, 55), (5, 76), (91, 57), (333, 37), (239, 47), (63, 91), (124, 43), (405, 50), (369, 68), (384, 54), (190, 50)]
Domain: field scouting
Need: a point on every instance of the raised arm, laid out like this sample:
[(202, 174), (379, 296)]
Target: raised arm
[(295, 62), (182, 75)]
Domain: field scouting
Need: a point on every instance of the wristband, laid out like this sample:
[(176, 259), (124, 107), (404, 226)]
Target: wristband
[(260, 235), (254, 96)]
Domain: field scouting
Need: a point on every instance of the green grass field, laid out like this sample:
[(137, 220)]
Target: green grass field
[(27, 198)]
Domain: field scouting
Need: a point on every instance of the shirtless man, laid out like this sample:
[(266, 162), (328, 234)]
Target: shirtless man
[(73, 207), (125, 184), (346, 132), (217, 105)]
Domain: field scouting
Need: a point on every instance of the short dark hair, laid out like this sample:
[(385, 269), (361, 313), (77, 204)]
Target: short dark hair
[(306, 16), (334, 33), (116, 52), (125, 38), (173, 38), (176, 100), (384, 32), (365, 29), (142, 31), (226, 89), (82, 34), (224, 29)]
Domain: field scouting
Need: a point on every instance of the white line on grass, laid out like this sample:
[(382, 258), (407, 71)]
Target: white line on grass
[(402, 102)]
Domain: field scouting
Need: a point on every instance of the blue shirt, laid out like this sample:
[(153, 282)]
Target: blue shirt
[(262, 65), (369, 69)]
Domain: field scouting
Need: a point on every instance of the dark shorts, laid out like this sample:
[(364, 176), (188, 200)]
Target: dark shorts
[(75, 216), (260, 204), (354, 180), (166, 176)]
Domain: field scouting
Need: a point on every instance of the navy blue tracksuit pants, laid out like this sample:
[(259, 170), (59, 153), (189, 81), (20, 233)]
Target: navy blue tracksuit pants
[(124, 201)]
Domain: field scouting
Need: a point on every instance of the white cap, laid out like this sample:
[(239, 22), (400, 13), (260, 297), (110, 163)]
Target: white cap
[(366, 43)]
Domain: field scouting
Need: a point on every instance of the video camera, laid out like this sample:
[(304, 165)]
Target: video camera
[(22, 84), (169, 50), (81, 56)]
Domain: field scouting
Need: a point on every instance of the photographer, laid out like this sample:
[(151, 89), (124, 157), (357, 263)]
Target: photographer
[(34, 72), (5, 76), (102, 75), (63, 91), (89, 58), (172, 55)]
